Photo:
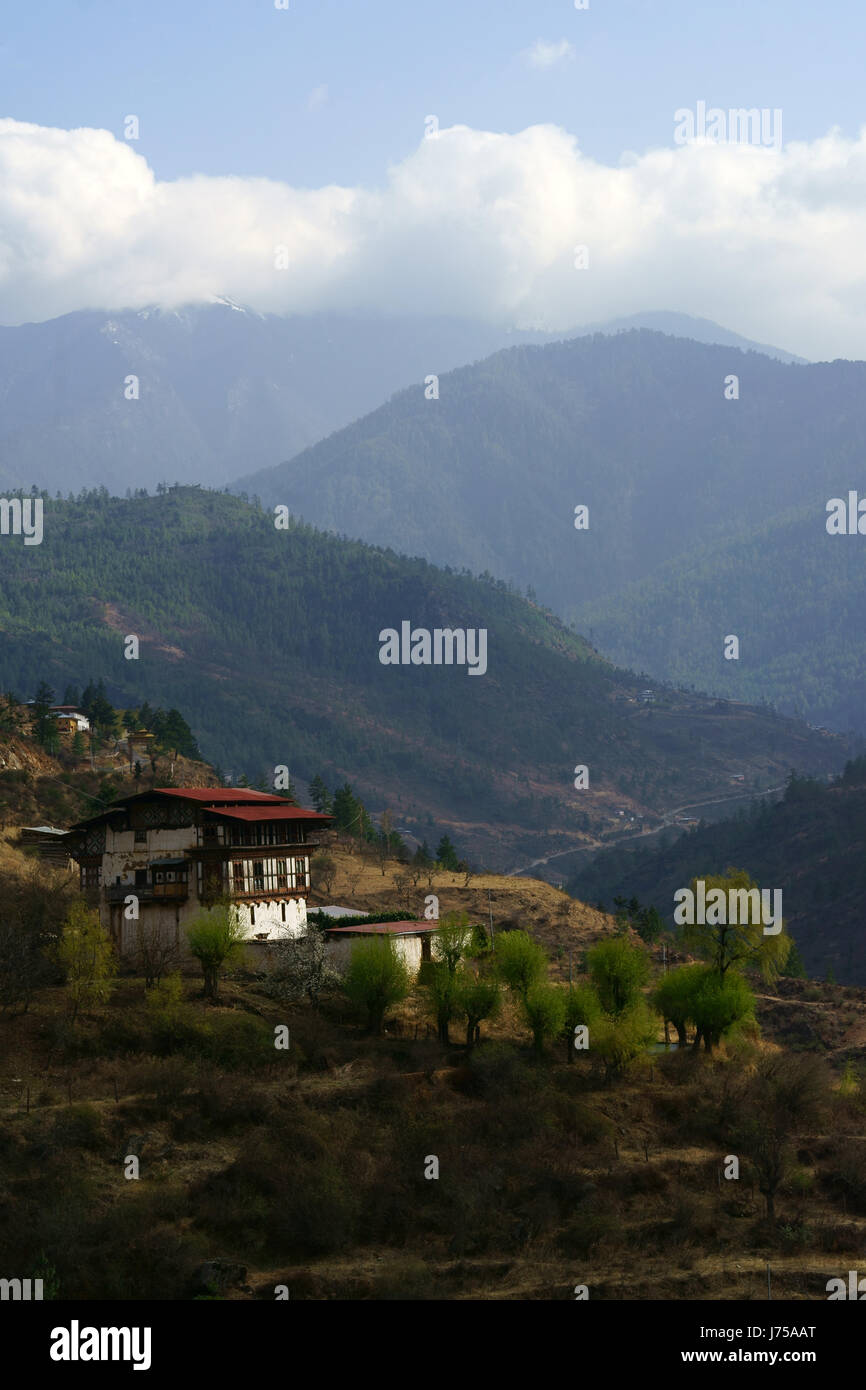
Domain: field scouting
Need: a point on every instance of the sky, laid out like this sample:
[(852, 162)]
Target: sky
[(284, 158)]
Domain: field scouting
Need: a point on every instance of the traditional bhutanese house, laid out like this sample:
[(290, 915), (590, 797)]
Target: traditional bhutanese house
[(411, 940), (168, 853)]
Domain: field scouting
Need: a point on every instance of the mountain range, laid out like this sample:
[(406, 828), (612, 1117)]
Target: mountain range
[(221, 390), (269, 639), (704, 471)]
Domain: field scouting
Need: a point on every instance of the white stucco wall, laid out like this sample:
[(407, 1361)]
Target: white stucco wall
[(339, 949)]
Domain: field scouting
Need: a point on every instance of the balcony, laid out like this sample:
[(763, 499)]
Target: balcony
[(147, 892)]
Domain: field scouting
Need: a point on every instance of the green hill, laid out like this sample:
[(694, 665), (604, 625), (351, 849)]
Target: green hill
[(268, 640)]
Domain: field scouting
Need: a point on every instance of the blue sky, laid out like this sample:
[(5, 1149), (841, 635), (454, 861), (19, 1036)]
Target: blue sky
[(304, 130), (224, 87)]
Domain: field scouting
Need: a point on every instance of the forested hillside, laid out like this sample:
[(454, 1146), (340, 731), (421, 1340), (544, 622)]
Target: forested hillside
[(793, 594), (636, 428), (809, 844), (268, 640)]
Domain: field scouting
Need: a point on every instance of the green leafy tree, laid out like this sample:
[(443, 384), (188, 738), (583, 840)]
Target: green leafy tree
[(215, 937), (742, 945), (674, 996), (520, 961), (582, 1009), (478, 997), (544, 1007), (718, 1002), (452, 940), (440, 993), (618, 969), (620, 1039), (86, 956), (376, 980)]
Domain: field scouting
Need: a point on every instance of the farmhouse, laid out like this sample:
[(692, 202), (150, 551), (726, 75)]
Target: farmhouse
[(168, 853), (411, 940)]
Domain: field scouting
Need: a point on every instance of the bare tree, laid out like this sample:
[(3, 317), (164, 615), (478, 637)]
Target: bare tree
[(300, 969), (156, 953), (786, 1093), (325, 871)]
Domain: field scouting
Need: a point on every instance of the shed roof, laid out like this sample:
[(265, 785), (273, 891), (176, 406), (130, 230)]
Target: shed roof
[(407, 928)]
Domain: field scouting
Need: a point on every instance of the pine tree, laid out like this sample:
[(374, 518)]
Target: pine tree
[(320, 796)]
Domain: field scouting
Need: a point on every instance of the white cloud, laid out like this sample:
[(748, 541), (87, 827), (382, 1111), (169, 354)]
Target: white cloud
[(544, 54), (318, 97), (767, 242)]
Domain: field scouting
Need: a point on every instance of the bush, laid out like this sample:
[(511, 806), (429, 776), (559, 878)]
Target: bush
[(77, 1127)]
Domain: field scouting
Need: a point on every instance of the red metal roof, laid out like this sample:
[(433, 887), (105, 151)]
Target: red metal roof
[(259, 813), (398, 928), (227, 794)]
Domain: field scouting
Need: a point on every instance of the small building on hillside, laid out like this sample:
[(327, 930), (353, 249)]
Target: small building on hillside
[(47, 843), (168, 853), (412, 940), (71, 719)]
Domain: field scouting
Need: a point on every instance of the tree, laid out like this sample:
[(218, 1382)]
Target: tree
[(320, 796), (384, 841), (726, 944), (477, 997), (78, 746), (544, 1006), (618, 969), (300, 969), (86, 957), (717, 1003), (521, 962), (215, 938), (440, 992), (582, 1009), (787, 1092), (44, 723), (620, 1039), (156, 952), (376, 980), (324, 870), (674, 995), (446, 855), (451, 940), (794, 967)]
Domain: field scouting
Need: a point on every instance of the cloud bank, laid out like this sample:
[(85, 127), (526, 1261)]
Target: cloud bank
[(769, 242)]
